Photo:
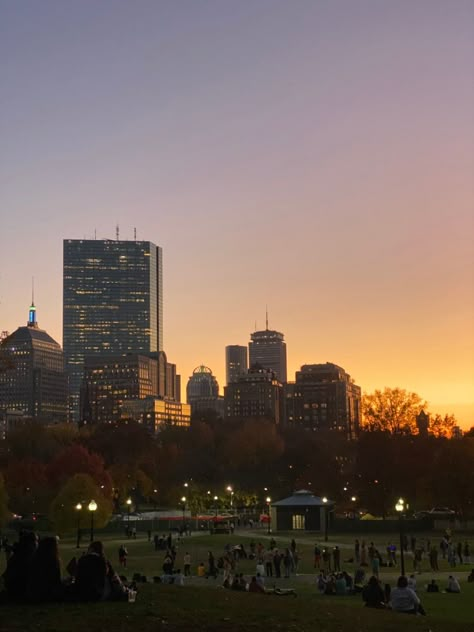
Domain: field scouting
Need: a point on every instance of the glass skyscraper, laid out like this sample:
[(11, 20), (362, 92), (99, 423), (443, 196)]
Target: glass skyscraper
[(267, 349), (112, 303)]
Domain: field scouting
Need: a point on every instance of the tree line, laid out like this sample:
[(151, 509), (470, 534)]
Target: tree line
[(49, 469)]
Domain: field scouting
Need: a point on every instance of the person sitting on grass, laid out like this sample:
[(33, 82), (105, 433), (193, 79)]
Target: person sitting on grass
[(404, 599), (201, 570), (432, 587), (16, 575), (359, 580), (44, 582), (321, 581), (373, 595), (255, 587), (453, 585), (96, 580)]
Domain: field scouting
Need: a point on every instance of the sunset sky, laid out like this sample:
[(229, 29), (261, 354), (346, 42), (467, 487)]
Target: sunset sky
[(316, 156)]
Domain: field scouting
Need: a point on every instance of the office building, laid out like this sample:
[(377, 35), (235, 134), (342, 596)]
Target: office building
[(202, 392), (324, 397), (112, 303), (157, 413), (268, 349), (235, 362), (33, 383), (256, 393), (110, 381)]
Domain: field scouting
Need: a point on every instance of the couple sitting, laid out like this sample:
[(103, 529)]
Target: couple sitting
[(33, 574)]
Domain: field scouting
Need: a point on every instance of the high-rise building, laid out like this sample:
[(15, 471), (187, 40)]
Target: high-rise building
[(235, 362), (33, 382), (202, 392), (112, 303), (324, 397), (256, 393), (268, 349)]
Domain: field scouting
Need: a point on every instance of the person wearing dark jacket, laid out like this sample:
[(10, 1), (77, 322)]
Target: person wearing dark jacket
[(373, 595), (16, 575), (44, 583)]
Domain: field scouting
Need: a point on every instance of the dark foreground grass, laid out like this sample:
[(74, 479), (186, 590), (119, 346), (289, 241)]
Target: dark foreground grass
[(177, 609)]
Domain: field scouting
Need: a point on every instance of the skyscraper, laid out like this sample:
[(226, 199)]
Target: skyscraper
[(33, 382), (268, 350), (112, 303), (235, 362)]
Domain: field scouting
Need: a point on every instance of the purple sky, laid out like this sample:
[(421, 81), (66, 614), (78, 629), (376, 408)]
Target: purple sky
[(317, 157)]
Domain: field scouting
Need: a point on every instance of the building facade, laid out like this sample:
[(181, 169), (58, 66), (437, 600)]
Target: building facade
[(202, 392), (157, 413), (255, 394), (235, 362), (112, 303), (33, 382), (324, 397), (267, 348), (110, 381)]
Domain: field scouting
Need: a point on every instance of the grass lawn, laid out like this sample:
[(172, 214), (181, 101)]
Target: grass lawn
[(203, 605)]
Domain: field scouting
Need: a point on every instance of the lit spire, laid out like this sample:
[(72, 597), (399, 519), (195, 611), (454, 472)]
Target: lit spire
[(32, 311)]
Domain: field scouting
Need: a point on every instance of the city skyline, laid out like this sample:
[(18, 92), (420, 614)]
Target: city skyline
[(317, 159)]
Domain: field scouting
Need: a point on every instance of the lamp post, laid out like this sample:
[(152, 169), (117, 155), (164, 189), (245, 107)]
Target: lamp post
[(78, 509), (400, 508), (326, 518), (183, 503), (92, 507), (269, 500), (129, 504), (231, 492)]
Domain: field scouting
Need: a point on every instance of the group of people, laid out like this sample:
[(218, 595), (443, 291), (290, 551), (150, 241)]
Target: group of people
[(34, 574)]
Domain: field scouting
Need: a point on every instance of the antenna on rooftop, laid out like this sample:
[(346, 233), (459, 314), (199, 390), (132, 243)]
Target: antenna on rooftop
[(266, 317), (117, 230), (135, 233), (95, 233), (32, 290)]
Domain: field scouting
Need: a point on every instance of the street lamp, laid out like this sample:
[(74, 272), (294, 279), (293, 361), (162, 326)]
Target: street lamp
[(400, 508), (231, 492), (183, 501), (78, 509), (269, 500), (129, 504), (326, 518), (92, 507)]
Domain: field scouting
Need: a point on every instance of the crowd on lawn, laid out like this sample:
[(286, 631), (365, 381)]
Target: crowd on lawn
[(33, 571), (33, 574)]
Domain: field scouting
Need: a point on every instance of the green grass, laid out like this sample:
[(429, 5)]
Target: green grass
[(203, 605)]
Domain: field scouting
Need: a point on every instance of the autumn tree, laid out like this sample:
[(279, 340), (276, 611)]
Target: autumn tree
[(442, 426), (81, 488), (27, 487), (76, 459), (392, 410)]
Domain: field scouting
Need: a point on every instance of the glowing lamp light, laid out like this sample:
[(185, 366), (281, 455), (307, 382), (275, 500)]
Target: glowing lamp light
[(92, 506)]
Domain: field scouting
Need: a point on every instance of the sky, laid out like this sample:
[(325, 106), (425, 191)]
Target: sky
[(313, 156)]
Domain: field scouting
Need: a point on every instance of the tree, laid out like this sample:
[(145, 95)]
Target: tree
[(76, 459), (442, 426), (81, 488), (392, 410), (4, 513)]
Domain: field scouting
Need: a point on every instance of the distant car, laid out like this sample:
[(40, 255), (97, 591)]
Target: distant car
[(437, 512)]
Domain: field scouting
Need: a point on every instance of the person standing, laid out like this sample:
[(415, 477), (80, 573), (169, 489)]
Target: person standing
[(317, 556), (356, 551), (268, 563), (277, 563), (336, 555), (123, 553), (467, 553), (434, 558), (187, 564)]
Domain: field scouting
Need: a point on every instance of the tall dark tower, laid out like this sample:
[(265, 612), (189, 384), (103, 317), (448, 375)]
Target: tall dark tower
[(112, 303), (235, 362), (268, 350)]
